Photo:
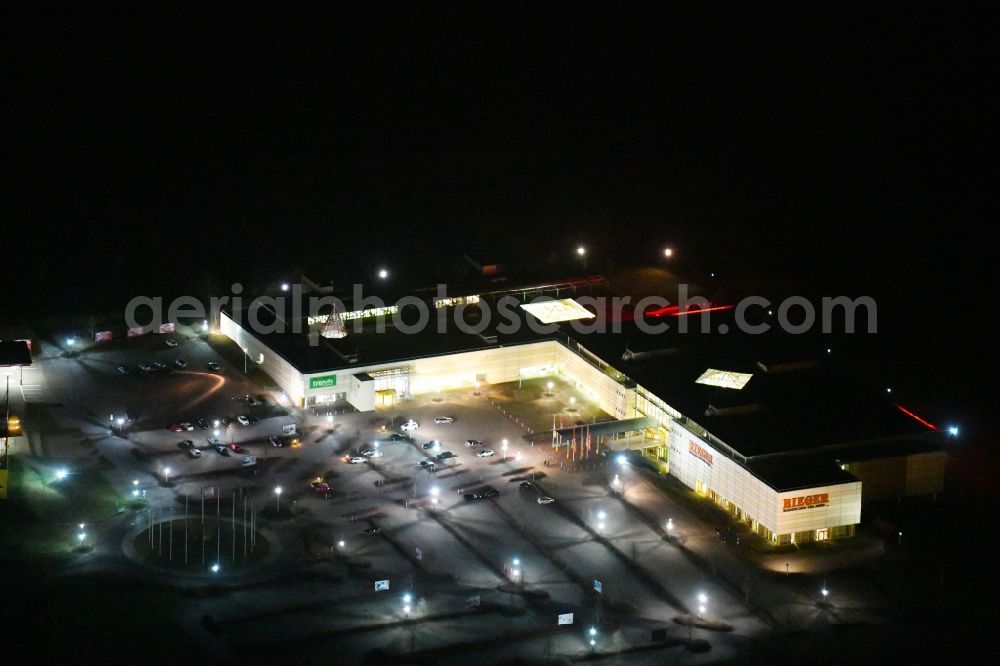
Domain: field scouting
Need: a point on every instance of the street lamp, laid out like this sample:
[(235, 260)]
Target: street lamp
[(61, 474), (215, 568), (670, 527), (166, 475), (953, 431), (593, 638), (329, 422), (549, 387), (277, 498), (135, 487), (407, 600), (284, 286), (383, 274), (601, 516), (434, 495), (668, 252), (504, 448)]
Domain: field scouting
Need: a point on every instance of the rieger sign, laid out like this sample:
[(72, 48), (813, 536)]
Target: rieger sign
[(326, 381), (699, 452), (805, 502)]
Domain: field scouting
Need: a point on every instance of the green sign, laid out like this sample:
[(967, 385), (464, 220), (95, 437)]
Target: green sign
[(326, 381)]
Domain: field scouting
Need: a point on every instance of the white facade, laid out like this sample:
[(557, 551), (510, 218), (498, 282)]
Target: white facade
[(700, 466)]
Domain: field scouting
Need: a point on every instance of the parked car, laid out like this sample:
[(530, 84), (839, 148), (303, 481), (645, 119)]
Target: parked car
[(483, 493), (372, 453), (222, 450), (443, 419), (236, 448), (374, 529), (526, 485), (175, 427), (276, 441), (427, 463), (186, 426), (158, 365), (212, 365), (202, 423), (123, 369), (444, 455), (322, 488), (396, 437), (145, 367), (243, 420), (171, 342), (485, 453), (195, 453), (180, 363), (433, 444), (545, 499), (409, 426), (356, 460), (186, 444), (226, 420), (473, 443)]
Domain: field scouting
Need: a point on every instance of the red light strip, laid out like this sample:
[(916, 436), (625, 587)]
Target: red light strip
[(916, 418), (712, 309)]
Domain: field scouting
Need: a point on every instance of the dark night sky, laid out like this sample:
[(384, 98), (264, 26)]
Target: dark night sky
[(827, 150)]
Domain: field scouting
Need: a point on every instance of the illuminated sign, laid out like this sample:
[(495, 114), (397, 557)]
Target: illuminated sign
[(135, 332), (805, 502), (325, 381), (102, 336), (699, 452), (355, 314), (551, 312), (724, 378), (167, 328), (456, 300)]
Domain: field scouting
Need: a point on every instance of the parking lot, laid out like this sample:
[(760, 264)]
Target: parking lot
[(435, 533)]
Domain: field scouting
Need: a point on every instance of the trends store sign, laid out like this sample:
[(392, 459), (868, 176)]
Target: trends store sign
[(326, 381), (805, 502)]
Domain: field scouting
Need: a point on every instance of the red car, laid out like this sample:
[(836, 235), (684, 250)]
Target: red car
[(322, 488), (233, 446), (176, 427)]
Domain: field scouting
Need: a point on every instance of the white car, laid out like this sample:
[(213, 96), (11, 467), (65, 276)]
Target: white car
[(545, 499), (356, 460), (409, 425), (171, 342), (485, 453), (443, 419), (186, 426), (372, 453), (243, 420), (195, 453)]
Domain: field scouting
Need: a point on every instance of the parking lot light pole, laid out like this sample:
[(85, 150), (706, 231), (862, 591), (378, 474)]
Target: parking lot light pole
[(166, 476), (504, 447), (277, 495)]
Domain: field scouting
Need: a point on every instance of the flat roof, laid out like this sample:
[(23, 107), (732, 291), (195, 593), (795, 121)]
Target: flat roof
[(14, 352), (795, 400), (803, 402), (787, 474), (367, 344)]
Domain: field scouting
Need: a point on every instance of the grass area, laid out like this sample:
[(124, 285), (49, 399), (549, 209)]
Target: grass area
[(83, 496), (40, 517)]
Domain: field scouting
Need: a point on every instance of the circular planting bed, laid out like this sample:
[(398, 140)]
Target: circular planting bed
[(192, 545)]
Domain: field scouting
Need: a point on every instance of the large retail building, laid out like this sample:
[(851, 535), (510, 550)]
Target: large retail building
[(785, 444)]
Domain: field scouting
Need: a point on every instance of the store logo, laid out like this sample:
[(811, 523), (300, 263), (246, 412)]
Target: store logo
[(699, 452), (322, 382), (805, 502)]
